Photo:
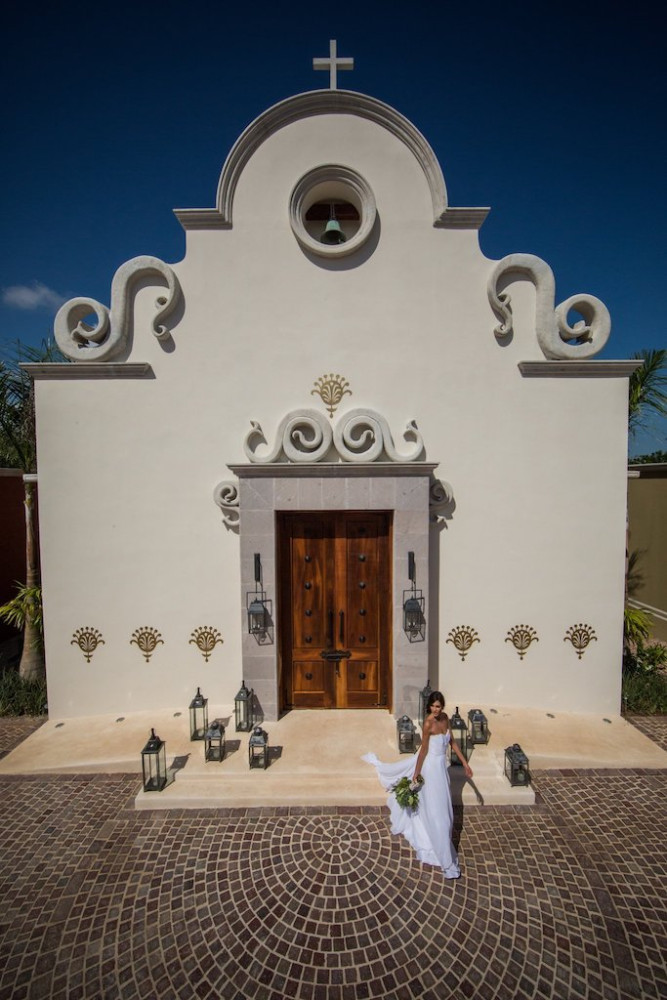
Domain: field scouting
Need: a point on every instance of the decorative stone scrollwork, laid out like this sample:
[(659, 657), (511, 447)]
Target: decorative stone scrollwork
[(552, 328), (359, 436), (580, 636), (81, 342), (226, 496), (441, 500)]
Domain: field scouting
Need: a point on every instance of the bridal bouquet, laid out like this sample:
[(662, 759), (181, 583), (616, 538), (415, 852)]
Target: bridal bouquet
[(407, 793)]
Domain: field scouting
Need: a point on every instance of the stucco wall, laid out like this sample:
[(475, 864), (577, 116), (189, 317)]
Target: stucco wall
[(130, 533)]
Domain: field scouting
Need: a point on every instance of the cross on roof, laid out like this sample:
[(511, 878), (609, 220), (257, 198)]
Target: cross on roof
[(333, 64)]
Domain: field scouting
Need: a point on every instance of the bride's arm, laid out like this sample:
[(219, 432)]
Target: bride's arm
[(423, 749)]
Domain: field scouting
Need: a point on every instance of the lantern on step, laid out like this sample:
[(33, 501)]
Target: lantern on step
[(258, 748), (460, 737), (517, 770), (154, 764), (198, 716), (424, 696), (243, 709), (406, 735), (478, 727), (214, 742)]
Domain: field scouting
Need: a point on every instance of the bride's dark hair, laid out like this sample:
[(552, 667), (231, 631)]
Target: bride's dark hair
[(436, 696)]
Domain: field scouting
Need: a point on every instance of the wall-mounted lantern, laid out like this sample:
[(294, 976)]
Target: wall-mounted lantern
[(517, 770), (478, 725), (258, 748), (154, 764), (198, 716), (424, 696), (244, 715), (214, 742), (460, 736), (256, 605), (414, 623), (406, 735)]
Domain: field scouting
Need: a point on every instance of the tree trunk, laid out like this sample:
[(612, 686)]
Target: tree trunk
[(31, 667)]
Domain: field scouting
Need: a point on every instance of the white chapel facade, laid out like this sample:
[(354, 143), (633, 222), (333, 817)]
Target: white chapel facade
[(334, 452)]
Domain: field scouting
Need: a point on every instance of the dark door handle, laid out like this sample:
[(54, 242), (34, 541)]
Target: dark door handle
[(341, 628)]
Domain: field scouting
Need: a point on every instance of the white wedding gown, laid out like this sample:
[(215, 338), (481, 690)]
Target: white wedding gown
[(429, 829)]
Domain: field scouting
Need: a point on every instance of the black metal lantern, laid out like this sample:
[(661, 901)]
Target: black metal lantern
[(517, 770), (256, 605), (243, 709), (258, 748), (478, 726), (460, 736), (198, 716), (424, 696), (214, 742), (414, 623), (154, 764), (406, 734)]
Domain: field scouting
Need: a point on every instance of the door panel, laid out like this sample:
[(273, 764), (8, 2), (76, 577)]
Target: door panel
[(335, 609)]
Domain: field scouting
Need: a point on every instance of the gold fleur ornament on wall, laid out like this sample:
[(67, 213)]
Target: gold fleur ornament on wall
[(147, 639), (205, 639), (462, 638), (521, 637), (331, 389), (580, 636), (87, 639)]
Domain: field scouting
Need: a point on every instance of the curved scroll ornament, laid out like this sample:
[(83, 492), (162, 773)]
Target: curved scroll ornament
[(82, 342), (359, 436), (553, 331), (440, 500), (580, 636), (226, 496), (303, 435), (362, 435), (521, 637)]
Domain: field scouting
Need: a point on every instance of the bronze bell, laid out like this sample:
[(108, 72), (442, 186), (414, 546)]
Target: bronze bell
[(333, 234)]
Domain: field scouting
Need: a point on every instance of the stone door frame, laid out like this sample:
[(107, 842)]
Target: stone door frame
[(400, 488)]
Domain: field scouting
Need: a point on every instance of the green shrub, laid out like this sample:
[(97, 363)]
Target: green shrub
[(645, 693), (644, 658), (19, 697)]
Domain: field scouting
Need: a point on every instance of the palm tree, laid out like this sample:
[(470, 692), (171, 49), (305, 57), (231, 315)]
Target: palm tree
[(18, 451), (647, 389)]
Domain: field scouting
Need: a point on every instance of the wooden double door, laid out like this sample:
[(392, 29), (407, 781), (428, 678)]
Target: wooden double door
[(335, 609)]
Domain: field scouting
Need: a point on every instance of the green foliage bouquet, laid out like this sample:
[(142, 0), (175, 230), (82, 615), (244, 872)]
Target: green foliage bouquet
[(407, 793)]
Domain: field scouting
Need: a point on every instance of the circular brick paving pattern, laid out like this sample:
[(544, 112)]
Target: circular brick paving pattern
[(561, 900)]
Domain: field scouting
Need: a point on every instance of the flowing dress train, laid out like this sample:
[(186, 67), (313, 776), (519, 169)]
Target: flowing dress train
[(429, 829)]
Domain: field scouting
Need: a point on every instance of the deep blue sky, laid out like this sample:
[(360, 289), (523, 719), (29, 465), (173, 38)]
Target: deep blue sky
[(115, 113)]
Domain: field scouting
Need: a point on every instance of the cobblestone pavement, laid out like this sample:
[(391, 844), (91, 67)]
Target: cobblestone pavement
[(565, 899), (653, 726), (14, 729)]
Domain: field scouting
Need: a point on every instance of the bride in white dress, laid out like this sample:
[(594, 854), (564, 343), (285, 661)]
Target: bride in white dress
[(428, 829)]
